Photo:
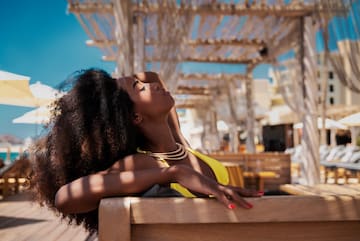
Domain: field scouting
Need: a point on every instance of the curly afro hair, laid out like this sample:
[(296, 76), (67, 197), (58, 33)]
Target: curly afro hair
[(91, 128)]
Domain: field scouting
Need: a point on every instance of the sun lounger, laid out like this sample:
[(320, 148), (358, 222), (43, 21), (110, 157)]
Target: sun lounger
[(13, 176), (339, 160)]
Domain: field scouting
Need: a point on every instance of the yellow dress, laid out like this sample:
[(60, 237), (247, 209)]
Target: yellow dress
[(219, 170)]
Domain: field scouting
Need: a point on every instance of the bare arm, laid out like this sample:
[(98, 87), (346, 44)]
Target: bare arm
[(85, 193)]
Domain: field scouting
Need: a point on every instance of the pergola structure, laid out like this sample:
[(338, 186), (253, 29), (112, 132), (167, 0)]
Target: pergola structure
[(160, 35)]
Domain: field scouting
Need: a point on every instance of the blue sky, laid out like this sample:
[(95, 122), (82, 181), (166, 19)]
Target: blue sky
[(40, 40)]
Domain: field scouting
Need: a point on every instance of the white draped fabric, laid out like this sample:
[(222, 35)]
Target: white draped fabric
[(346, 63), (344, 30), (310, 138), (298, 86), (170, 29)]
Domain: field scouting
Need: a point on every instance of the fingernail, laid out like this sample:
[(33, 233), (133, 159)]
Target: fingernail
[(231, 206), (261, 193), (249, 205)]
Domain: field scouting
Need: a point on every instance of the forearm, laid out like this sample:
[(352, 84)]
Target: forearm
[(85, 193)]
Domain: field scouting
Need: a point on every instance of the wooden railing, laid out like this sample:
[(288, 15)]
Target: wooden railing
[(280, 218)]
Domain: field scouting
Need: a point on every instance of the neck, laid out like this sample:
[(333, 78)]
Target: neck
[(159, 137)]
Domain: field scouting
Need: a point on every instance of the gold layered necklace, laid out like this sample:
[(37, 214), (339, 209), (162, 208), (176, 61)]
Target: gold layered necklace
[(179, 154)]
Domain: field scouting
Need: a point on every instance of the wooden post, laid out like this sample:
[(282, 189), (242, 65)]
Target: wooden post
[(250, 142), (310, 135), (139, 43), (114, 220), (124, 38)]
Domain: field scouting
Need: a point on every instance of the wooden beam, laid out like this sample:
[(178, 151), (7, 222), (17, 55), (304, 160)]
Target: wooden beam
[(100, 43), (215, 42), (192, 42), (290, 10), (200, 59), (242, 9), (193, 90), (210, 77), (90, 7)]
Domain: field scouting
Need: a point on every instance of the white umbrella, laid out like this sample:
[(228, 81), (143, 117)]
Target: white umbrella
[(42, 91), (222, 126), (351, 120), (281, 114), (40, 115), (15, 90), (329, 124)]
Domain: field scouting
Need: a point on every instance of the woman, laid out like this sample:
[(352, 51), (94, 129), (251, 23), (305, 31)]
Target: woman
[(120, 137)]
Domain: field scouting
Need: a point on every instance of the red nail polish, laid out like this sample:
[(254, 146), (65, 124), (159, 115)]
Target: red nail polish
[(248, 205), (231, 206), (261, 193)]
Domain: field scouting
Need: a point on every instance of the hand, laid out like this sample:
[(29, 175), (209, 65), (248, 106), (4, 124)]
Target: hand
[(150, 77), (228, 195)]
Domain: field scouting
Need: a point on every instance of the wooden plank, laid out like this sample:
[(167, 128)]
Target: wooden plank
[(321, 189), (114, 219), (266, 209), (277, 218), (312, 231), (21, 219)]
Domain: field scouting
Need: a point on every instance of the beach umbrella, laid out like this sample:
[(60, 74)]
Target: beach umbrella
[(222, 126), (329, 124), (351, 120), (281, 114), (15, 90), (39, 115), (44, 92)]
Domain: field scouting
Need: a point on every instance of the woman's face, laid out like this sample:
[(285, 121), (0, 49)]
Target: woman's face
[(150, 98)]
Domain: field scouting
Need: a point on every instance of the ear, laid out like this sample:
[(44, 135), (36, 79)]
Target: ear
[(137, 118)]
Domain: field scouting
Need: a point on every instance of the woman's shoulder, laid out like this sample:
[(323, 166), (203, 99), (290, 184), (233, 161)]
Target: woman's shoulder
[(136, 161)]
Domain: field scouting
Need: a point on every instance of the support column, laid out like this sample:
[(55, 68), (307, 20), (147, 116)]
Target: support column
[(124, 39), (310, 136), (250, 117), (139, 43)]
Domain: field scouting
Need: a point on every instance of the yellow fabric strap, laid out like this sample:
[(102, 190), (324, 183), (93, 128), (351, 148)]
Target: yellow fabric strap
[(219, 170)]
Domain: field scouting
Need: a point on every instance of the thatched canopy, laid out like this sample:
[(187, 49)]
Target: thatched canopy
[(162, 35), (227, 32)]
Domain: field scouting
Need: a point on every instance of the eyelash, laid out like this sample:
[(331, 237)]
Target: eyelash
[(142, 88)]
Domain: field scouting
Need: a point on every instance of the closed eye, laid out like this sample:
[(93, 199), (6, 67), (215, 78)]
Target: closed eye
[(142, 88)]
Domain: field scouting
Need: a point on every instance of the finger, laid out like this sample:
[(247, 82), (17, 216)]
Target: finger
[(225, 199), (234, 196), (249, 193), (147, 77)]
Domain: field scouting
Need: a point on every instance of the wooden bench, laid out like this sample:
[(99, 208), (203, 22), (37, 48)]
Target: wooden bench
[(237, 176), (322, 189), (280, 218), (265, 171)]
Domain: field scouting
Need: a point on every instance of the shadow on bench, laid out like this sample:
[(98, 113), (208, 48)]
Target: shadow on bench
[(272, 218)]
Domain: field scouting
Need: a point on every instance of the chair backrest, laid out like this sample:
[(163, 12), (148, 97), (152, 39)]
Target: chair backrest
[(236, 176)]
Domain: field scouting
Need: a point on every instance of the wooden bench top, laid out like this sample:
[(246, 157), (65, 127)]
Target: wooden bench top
[(322, 189), (273, 217)]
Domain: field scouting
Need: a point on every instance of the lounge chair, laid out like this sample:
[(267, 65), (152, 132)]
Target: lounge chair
[(14, 176)]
